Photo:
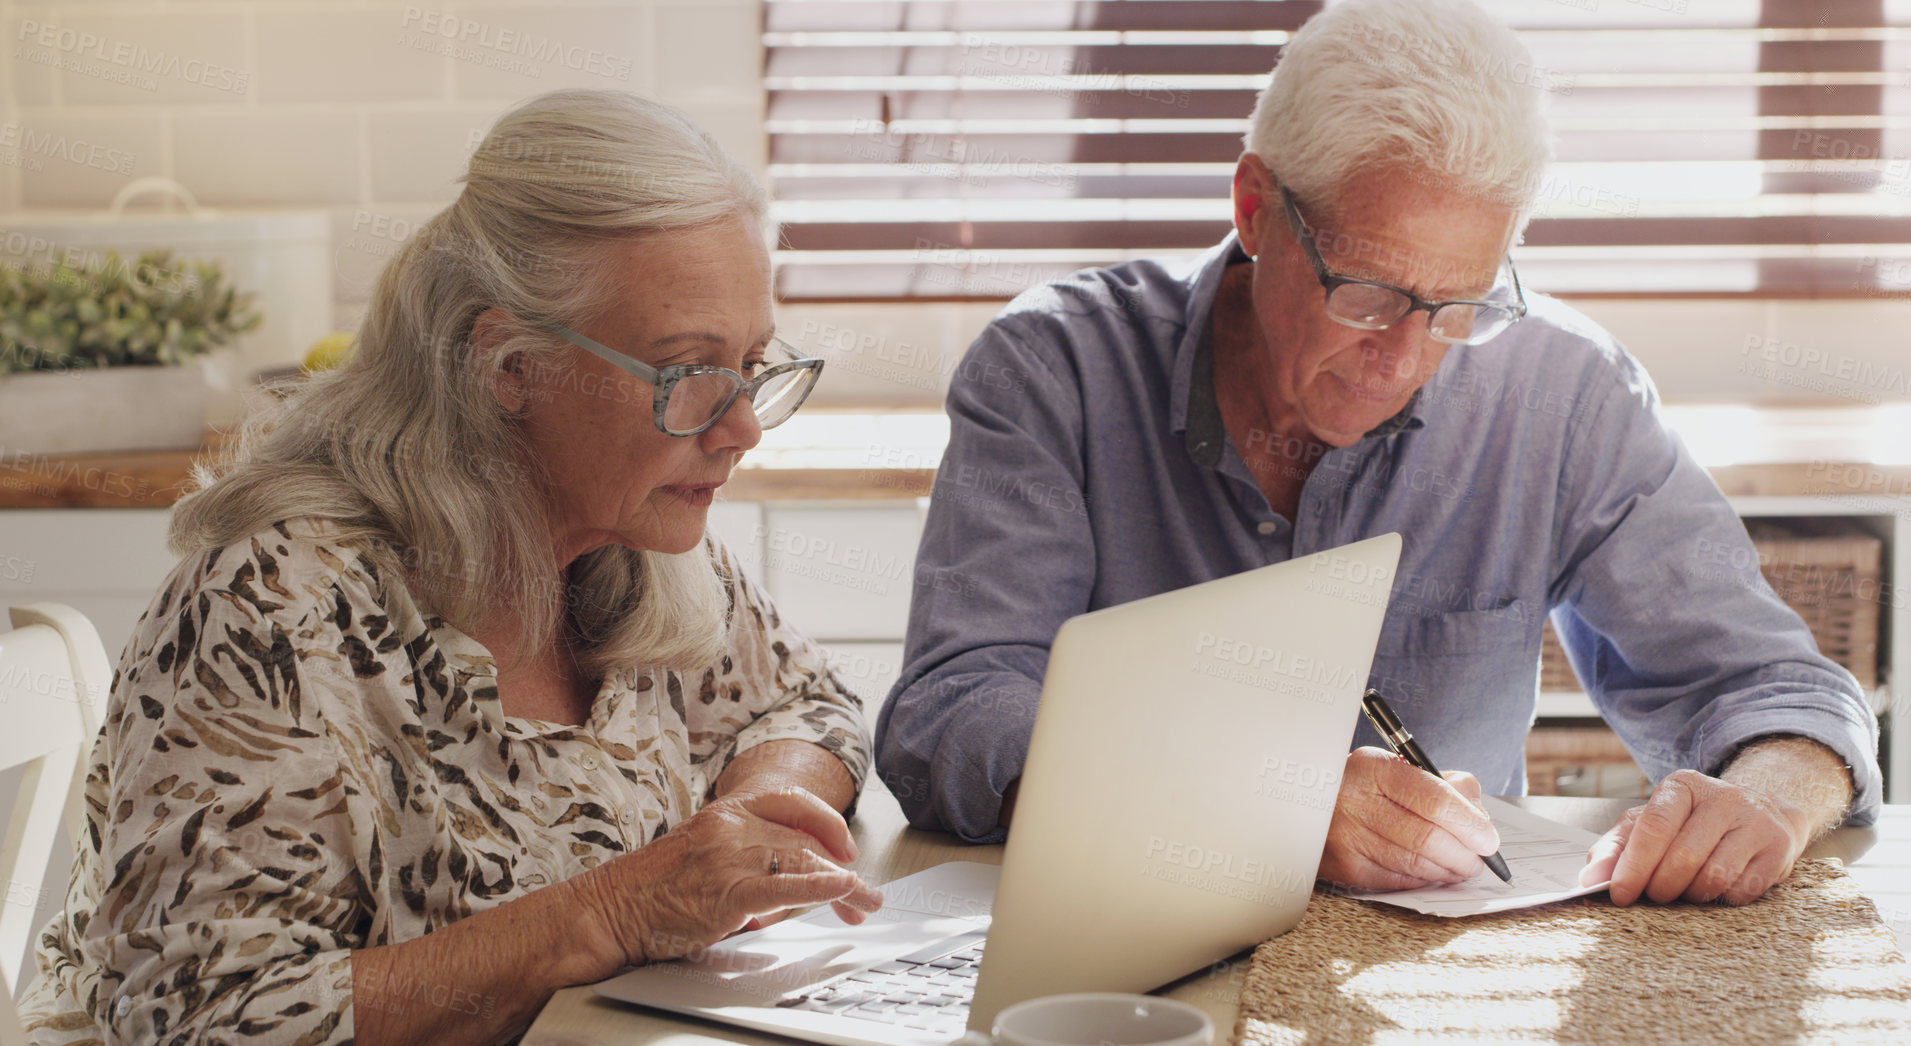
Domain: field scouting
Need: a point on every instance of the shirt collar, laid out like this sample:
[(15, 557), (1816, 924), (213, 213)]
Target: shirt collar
[(1193, 411), (1194, 330), (471, 663)]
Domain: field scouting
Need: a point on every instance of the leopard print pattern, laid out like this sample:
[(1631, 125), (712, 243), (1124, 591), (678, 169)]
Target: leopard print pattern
[(297, 762)]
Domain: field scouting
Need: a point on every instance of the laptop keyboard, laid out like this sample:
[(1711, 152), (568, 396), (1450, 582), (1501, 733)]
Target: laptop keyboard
[(929, 989)]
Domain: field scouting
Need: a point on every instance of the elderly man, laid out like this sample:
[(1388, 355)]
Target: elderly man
[(1359, 357)]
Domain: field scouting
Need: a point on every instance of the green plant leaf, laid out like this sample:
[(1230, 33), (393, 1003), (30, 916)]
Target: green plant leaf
[(109, 311)]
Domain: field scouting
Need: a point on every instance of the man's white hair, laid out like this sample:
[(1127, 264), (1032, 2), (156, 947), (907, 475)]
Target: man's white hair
[(1437, 89)]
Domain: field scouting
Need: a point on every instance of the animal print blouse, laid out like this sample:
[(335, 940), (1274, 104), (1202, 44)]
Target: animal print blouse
[(298, 762)]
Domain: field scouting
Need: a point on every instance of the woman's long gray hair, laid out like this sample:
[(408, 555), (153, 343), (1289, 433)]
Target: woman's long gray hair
[(407, 451)]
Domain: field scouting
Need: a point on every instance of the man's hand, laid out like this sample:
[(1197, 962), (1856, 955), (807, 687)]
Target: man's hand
[(1704, 838), (1397, 827)]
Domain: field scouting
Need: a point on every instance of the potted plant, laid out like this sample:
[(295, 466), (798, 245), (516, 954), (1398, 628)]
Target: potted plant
[(98, 353)]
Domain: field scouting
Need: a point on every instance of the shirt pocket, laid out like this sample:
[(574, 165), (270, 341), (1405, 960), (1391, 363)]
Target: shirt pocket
[(1456, 632), (1489, 656)]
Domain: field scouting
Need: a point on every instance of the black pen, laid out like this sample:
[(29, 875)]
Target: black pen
[(1407, 748)]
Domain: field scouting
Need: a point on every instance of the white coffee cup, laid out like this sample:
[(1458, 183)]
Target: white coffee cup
[(1100, 1019)]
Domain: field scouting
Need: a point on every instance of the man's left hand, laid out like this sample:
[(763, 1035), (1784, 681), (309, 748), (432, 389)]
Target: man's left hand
[(1701, 839)]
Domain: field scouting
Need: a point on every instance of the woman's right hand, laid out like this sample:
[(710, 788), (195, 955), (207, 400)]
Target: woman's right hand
[(710, 875)]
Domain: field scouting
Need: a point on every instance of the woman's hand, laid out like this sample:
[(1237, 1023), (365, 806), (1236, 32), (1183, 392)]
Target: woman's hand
[(786, 762), (710, 875)]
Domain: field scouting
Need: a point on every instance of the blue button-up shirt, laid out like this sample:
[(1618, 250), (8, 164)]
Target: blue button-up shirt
[(1088, 466)]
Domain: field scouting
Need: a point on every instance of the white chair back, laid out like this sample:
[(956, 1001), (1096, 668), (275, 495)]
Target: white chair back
[(53, 682)]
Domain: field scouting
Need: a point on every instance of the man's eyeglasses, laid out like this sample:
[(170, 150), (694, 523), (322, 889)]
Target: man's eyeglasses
[(689, 398), (1372, 306)]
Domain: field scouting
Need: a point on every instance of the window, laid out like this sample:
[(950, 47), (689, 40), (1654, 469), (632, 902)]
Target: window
[(955, 150)]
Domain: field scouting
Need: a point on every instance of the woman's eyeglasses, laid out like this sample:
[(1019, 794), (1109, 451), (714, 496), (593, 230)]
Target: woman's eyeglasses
[(689, 398)]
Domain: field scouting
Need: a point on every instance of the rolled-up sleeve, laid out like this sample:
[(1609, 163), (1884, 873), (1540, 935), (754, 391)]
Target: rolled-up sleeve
[(1007, 556), (1662, 609), (774, 683), (227, 911)]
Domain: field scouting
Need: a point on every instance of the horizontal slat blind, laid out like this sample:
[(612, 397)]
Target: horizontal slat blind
[(956, 150)]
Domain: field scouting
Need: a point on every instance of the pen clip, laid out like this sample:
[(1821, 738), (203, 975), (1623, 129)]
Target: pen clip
[(1391, 729)]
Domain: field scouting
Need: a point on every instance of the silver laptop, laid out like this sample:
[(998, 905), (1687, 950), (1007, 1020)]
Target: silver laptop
[(1172, 812)]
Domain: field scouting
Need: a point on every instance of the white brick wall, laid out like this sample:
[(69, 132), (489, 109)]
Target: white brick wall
[(342, 56), (365, 107)]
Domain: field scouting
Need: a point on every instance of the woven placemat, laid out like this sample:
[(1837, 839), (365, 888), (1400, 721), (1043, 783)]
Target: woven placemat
[(1807, 963)]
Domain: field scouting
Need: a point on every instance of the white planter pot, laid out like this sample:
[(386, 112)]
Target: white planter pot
[(283, 256), (102, 408)]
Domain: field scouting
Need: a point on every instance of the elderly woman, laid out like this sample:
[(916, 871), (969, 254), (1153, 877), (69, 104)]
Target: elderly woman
[(453, 702)]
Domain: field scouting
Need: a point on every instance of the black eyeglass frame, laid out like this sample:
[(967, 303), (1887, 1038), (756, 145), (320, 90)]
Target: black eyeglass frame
[(664, 379), (1331, 280)]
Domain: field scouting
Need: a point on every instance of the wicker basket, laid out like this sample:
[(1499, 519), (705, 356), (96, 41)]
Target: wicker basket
[(1555, 750), (1829, 577), (1831, 580)]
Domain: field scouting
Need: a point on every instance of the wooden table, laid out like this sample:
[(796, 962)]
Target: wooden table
[(1880, 859)]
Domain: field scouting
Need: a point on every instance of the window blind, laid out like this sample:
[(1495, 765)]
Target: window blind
[(955, 150)]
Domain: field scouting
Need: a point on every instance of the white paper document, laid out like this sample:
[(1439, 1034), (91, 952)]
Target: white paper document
[(1544, 856)]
